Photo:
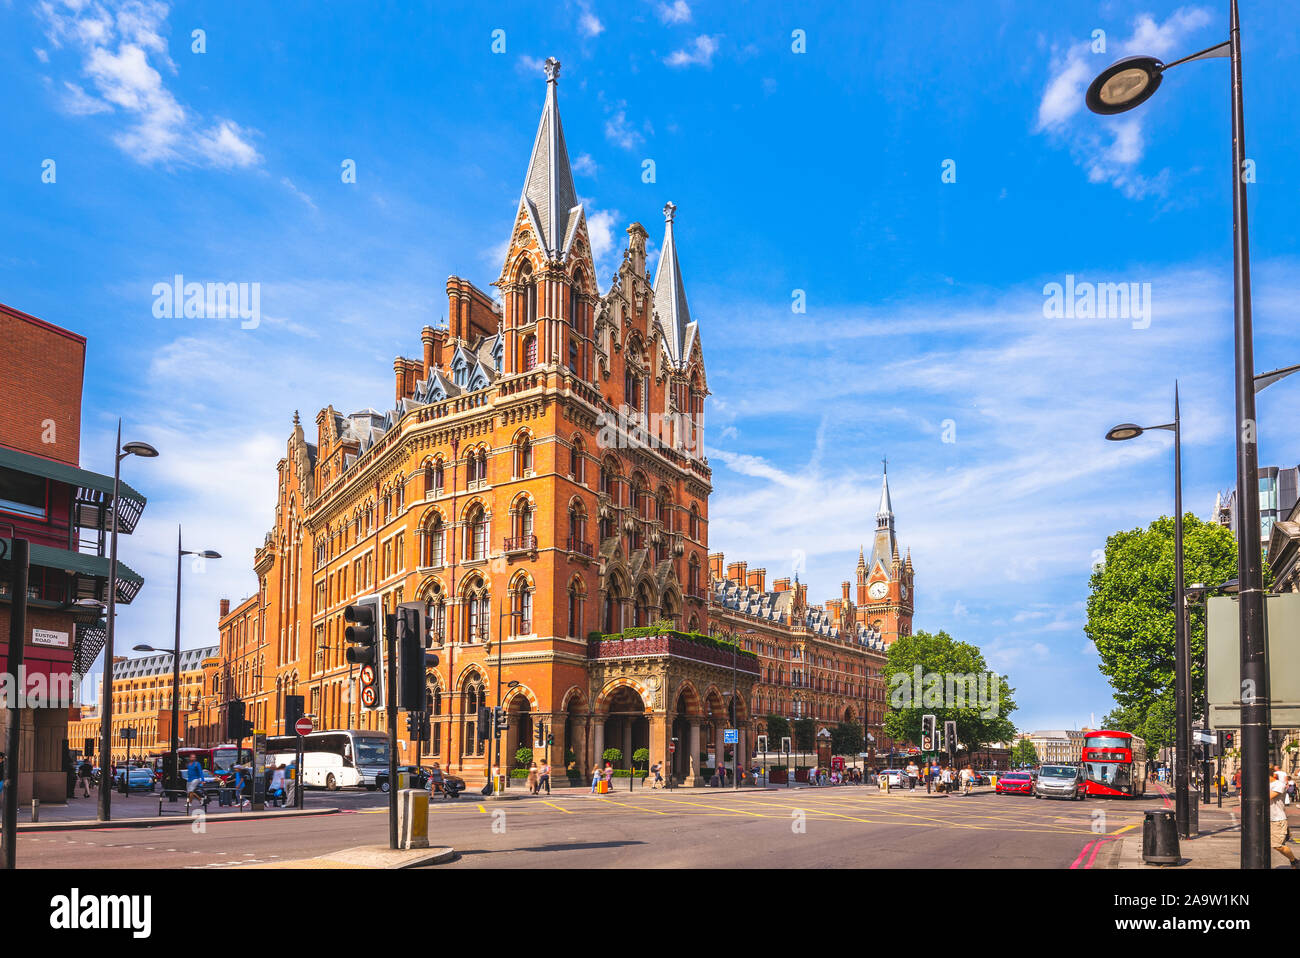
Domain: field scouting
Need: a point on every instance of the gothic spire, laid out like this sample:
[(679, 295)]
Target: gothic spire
[(549, 194), (885, 514), (670, 295)]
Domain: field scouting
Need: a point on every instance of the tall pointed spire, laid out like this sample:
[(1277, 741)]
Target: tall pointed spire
[(670, 294), (885, 514), (549, 194)]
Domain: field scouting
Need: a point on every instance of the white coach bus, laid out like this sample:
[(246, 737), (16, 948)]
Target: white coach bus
[(344, 758)]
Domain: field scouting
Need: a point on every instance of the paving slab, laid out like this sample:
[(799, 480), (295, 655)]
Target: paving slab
[(369, 856)]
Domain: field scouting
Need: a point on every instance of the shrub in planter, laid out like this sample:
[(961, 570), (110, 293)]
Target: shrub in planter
[(612, 755), (641, 757), (523, 756), (519, 773)]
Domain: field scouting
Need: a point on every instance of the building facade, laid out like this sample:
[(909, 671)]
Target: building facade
[(539, 486), (1063, 746), (1279, 492), (142, 700), (64, 512)]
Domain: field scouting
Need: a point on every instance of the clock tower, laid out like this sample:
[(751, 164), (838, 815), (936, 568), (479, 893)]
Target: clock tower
[(885, 598)]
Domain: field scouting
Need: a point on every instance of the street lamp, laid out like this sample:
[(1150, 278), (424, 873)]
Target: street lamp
[(1182, 675), (735, 750), (1120, 87), (496, 730), (176, 659), (144, 451)]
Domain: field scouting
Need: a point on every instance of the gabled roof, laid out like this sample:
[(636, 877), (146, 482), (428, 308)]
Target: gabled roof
[(549, 195), (670, 296)]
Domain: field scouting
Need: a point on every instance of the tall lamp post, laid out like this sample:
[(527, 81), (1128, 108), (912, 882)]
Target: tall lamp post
[(145, 451), (1122, 86), (1182, 673), (496, 730)]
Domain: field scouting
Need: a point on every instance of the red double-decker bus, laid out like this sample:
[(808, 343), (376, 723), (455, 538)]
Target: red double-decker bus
[(1114, 763), (218, 759)]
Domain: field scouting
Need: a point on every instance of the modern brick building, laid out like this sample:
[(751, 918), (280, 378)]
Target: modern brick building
[(538, 483), (64, 512)]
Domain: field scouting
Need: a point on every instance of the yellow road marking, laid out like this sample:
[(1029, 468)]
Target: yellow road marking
[(557, 807), (482, 809)]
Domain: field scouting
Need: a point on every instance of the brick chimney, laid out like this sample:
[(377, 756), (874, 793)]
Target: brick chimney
[(781, 585), (225, 608), (844, 592), (715, 565), (736, 572), (758, 579)]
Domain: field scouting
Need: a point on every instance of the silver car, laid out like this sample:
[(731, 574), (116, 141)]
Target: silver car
[(1060, 781)]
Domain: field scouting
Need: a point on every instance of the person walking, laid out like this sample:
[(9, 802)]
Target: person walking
[(1279, 829), (193, 779), (532, 778), (544, 779), (609, 776), (83, 777), (966, 776), (275, 791), (659, 779), (595, 778)]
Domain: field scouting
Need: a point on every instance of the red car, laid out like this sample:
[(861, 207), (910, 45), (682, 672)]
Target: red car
[(1018, 783)]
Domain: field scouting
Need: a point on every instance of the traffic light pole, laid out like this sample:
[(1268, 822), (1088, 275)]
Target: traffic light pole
[(19, 551), (390, 627)]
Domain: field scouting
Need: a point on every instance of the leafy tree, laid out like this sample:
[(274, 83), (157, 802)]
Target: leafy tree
[(1024, 753), (846, 738), (613, 755), (1131, 618), (523, 756), (981, 713), (641, 757), (777, 729), (805, 734)]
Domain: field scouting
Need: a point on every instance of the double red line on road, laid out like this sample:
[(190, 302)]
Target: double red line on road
[(1095, 845)]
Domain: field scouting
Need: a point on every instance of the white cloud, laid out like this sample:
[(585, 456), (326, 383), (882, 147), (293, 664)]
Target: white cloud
[(677, 12), (698, 53), (1110, 149), (289, 185), (619, 132), (122, 49), (588, 23), (584, 165)]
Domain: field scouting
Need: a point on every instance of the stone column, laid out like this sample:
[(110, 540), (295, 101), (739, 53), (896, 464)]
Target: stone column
[(719, 748), (626, 744), (693, 755), (598, 740)]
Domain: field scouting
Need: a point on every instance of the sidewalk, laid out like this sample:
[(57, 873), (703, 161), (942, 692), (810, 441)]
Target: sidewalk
[(1217, 845)]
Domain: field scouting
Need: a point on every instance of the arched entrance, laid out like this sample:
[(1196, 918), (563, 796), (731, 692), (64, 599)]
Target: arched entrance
[(519, 725), (626, 726)]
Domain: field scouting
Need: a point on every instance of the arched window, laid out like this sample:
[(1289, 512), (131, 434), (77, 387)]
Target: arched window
[(433, 698), (578, 461), (521, 607), (472, 693), (478, 622), (577, 314), (642, 612), (575, 608), (527, 296), (434, 542), (523, 456), (693, 577), (695, 522), (524, 525), (577, 527), (530, 353), (476, 533)]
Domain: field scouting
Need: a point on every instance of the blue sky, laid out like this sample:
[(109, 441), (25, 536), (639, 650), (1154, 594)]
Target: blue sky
[(818, 171)]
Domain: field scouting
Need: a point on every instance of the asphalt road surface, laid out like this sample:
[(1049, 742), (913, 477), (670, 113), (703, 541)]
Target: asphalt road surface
[(831, 827)]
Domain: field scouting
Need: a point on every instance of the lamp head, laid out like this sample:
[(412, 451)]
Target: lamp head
[(1125, 430), (142, 449), (1124, 84)]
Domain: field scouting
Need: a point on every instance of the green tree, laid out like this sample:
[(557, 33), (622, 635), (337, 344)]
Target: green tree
[(805, 734), (946, 667), (1024, 753), (641, 758), (777, 728), (523, 756), (846, 738), (613, 755), (1131, 618)]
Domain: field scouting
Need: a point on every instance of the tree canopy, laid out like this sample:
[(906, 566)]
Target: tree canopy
[(1024, 753), (944, 668), (1131, 618)]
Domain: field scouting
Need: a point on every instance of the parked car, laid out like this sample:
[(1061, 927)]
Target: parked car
[(1060, 781), (1015, 783), (416, 777), (979, 778), (137, 779)]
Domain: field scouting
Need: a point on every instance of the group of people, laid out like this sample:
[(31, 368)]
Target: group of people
[(278, 783), (849, 776), (539, 778)]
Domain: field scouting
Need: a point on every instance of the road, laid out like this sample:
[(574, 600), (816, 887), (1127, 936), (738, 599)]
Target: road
[(833, 827)]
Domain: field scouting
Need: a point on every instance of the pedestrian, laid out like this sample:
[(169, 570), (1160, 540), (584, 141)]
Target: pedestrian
[(544, 781), (435, 779), (659, 779), (609, 776), (966, 778), (532, 778), (193, 779), (1279, 829), (83, 777), (595, 778), (276, 789)]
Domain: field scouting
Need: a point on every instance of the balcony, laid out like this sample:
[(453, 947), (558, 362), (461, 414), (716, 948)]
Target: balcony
[(520, 544), (579, 546)]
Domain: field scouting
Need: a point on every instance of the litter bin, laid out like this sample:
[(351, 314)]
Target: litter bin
[(1160, 837)]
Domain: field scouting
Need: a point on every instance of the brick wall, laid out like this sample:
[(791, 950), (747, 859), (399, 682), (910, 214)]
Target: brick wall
[(40, 395)]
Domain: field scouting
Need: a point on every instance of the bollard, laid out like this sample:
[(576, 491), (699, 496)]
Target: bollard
[(1160, 838), (413, 818), (36, 809)]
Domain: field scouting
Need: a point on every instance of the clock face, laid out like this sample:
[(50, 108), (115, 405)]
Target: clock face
[(904, 591), (878, 590)]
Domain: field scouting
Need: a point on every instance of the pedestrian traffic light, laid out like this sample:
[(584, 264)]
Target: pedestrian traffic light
[(236, 726), (927, 733), (1229, 739), (413, 661), (294, 707), (367, 649)]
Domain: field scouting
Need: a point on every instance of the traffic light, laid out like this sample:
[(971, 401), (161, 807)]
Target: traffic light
[(483, 730), (1229, 739), (927, 733), (950, 736), (236, 726), (417, 726), (413, 661), (294, 707), (762, 744), (367, 649), (540, 735)]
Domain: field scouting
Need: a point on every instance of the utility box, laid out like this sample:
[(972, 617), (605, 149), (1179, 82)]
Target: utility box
[(413, 818), (1223, 660)]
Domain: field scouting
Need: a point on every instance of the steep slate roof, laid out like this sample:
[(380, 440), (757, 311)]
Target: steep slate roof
[(884, 547), (161, 663), (549, 194), (777, 607), (670, 296)]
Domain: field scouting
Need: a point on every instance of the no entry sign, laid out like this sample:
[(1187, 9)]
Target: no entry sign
[(303, 726)]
